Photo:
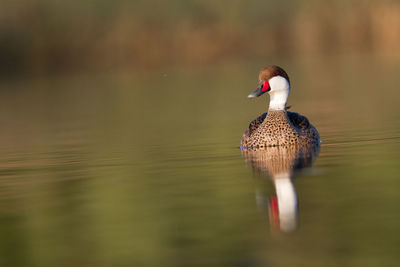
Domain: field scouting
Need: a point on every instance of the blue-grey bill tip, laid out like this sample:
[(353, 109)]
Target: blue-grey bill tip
[(251, 95)]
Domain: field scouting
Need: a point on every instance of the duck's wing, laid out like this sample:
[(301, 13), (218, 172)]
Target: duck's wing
[(255, 123), (298, 121), (253, 127), (302, 124)]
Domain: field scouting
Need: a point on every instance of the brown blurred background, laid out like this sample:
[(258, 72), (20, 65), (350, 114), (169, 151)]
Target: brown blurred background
[(46, 36)]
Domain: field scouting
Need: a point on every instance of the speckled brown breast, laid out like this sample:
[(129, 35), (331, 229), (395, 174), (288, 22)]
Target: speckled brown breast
[(279, 128)]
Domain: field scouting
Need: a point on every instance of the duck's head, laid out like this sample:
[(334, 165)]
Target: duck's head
[(275, 81)]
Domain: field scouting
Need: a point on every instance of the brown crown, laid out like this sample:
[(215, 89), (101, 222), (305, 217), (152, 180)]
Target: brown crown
[(271, 71)]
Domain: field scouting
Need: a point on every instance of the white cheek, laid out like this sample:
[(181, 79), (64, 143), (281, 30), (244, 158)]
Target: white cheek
[(279, 93), (278, 83)]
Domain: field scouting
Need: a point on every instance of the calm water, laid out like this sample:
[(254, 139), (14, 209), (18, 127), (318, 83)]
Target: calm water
[(144, 169)]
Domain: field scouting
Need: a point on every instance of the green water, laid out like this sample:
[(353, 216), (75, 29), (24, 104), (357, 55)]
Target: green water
[(143, 169)]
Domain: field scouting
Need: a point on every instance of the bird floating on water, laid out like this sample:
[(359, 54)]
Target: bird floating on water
[(278, 127)]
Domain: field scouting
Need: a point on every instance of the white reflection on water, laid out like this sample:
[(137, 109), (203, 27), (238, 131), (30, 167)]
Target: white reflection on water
[(279, 163)]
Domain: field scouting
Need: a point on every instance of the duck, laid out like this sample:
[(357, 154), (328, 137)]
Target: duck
[(277, 127)]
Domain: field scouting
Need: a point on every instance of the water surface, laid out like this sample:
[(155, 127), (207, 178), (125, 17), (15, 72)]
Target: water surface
[(144, 169)]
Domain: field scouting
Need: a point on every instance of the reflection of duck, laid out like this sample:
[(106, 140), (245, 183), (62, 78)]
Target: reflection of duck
[(277, 127), (279, 164)]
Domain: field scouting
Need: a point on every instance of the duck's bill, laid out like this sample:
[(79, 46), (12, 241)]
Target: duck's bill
[(259, 91), (255, 93)]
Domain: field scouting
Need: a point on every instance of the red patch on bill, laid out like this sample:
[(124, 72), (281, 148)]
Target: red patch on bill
[(265, 86)]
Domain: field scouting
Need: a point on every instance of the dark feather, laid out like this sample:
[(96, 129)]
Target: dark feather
[(298, 120)]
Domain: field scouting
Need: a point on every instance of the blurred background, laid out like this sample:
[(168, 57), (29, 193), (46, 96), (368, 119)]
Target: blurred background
[(121, 123), (39, 37)]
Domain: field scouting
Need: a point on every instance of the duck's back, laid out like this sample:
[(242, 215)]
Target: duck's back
[(279, 128)]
